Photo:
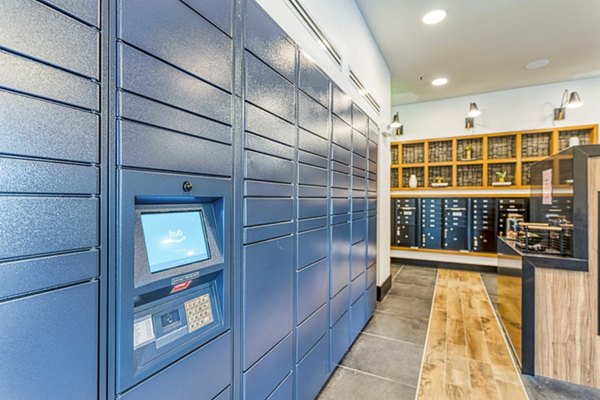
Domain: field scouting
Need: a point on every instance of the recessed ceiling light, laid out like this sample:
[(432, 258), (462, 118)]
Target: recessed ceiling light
[(433, 17), (439, 81), (537, 64)]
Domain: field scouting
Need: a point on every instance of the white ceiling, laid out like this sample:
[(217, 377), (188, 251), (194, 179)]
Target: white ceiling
[(483, 45)]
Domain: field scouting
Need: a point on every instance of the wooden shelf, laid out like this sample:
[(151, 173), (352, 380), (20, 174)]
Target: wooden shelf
[(455, 252), (517, 170)]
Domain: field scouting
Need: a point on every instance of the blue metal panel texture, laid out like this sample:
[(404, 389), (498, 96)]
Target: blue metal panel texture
[(312, 207), (268, 168), (142, 74), (371, 275), (267, 211), (85, 10), (216, 11), (27, 176), (339, 340), (268, 296), (173, 32), (310, 331), (69, 134), (359, 231), (285, 390), (312, 116), (224, 395), (313, 159), (312, 143), (30, 275), (201, 375), (339, 304), (312, 246), (267, 41), (358, 286), (341, 104), (267, 89), (41, 80), (27, 223), (359, 258), (57, 38), (371, 299), (49, 345), (360, 120), (311, 373), (342, 133), (342, 156), (340, 257), (311, 289), (358, 316), (312, 81), (270, 126), (371, 241), (267, 374), (308, 175), (359, 144)]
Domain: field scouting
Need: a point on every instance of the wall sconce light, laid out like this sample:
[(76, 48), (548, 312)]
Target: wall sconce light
[(572, 101), (473, 112), (399, 131), (395, 122)]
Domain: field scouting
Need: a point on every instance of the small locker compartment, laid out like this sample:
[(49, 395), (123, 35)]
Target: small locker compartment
[(405, 218), (339, 340), (456, 224), (483, 225), (311, 372), (52, 339), (264, 377), (431, 214)]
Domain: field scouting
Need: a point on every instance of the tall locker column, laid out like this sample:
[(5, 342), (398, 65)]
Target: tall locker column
[(52, 202), (312, 277), (372, 218), (358, 275), (339, 284), (269, 267)]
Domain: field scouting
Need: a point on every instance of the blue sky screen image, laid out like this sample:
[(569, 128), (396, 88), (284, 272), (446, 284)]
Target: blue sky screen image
[(174, 239)]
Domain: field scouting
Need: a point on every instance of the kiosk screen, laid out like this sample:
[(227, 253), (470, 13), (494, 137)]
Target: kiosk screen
[(174, 239)]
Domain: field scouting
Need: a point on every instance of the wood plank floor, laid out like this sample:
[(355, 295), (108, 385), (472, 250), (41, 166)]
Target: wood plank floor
[(465, 353)]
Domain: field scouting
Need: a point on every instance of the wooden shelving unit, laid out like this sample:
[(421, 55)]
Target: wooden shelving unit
[(442, 161)]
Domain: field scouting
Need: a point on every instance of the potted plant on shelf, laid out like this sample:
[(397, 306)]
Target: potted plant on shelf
[(501, 179), (439, 182)]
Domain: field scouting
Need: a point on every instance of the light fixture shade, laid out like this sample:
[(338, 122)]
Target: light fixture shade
[(574, 101), (474, 110), (395, 122)]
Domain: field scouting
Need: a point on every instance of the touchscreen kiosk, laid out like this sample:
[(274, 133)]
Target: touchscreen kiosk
[(174, 239), (174, 273)]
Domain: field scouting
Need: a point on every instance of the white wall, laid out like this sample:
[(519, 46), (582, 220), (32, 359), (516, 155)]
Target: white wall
[(509, 110), (343, 24)]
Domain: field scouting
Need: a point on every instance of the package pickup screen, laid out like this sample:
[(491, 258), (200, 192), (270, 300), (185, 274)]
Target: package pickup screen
[(174, 239)]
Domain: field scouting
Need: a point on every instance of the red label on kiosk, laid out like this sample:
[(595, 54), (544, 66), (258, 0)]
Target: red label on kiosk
[(180, 286)]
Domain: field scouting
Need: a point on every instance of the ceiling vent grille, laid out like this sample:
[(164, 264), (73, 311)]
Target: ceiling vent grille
[(314, 28), (364, 92)]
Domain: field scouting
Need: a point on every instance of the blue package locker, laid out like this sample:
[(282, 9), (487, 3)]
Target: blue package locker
[(340, 228), (53, 199), (372, 218), (269, 209), (120, 111), (312, 265), (173, 146)]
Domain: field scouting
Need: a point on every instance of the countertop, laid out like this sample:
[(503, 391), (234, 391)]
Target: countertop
[(541, 260)]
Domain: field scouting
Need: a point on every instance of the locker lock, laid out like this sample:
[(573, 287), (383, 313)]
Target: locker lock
[(187, 186)]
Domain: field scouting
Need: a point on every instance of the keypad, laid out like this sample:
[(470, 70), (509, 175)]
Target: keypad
[(198, 312)]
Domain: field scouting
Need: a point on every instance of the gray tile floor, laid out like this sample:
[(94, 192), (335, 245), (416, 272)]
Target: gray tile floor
[(385, 361)]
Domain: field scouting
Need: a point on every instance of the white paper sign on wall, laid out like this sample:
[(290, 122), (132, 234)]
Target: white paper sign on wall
[(547, 186)]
